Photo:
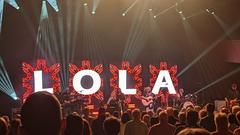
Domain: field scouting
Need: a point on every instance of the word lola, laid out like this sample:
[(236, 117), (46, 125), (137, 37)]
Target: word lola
[(163, 81)]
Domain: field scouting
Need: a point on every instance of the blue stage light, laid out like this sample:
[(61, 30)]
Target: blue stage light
[(14, 96), (54, 4), (13, 3), (44, 12), (5, 82)]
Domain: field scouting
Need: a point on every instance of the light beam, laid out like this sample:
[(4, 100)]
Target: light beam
[(219, 80), (53, 4), (5, 82), (129, 8), (211, 47), (13, 3)]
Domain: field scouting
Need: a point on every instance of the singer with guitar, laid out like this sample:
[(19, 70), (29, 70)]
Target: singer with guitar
[(148, 99)]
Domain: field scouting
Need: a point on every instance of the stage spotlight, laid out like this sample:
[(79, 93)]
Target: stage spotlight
[(17, 7), (85, 4), (130, 7), (180, 12), (154, 16), (14, 96), (150, 9), (210, 11), (44, 11), (13, 3), (54, 4), (93, 12)]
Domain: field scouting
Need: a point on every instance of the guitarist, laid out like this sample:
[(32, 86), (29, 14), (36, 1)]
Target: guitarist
[(148, 99), (116, 102)]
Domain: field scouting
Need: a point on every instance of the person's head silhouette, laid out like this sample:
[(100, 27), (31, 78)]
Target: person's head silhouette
[(41, 114)]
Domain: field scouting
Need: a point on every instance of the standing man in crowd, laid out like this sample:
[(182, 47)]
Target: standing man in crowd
[(136, 126), (163, 127), (111, 126), (207, 122), (97, 124), (222, 125)]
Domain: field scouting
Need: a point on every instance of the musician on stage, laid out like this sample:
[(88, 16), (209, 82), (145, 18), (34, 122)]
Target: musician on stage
[(234, 96), (179, 97), (181, 93), (235, 92), (164, 98), (148, 99), (66, 103), (116, 102), (72, 101)]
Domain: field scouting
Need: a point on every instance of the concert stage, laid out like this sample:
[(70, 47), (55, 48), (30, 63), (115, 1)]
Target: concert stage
[(87, 52)]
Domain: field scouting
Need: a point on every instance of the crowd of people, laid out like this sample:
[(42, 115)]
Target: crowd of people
[(41, 115)]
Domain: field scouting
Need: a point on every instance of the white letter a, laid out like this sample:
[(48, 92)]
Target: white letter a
[(167, 84)]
